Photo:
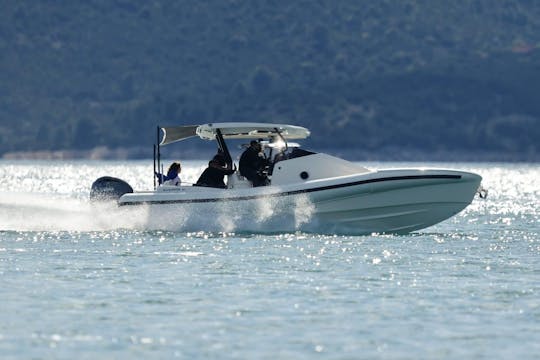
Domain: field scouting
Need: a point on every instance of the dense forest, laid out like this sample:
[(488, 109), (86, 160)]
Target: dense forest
[(382, 79)]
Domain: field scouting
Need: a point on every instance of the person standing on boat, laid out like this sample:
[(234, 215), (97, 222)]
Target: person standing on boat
[(214, 174), (173, 175), (252, 164)]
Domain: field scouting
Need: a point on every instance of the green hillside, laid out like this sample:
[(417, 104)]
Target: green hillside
[(386, 78)]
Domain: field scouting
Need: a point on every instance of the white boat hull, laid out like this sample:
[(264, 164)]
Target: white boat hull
[(389, 201), (399, 204)]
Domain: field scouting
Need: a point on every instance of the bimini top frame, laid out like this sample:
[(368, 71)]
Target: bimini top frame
[(233, 131)]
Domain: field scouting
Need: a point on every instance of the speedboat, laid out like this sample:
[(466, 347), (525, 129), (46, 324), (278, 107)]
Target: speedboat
[(337, 195)]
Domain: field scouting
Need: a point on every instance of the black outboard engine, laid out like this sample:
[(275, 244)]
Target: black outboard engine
[(108, 188)]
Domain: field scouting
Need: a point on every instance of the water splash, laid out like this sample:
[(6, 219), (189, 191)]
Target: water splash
[(259, 216), (46, 212)]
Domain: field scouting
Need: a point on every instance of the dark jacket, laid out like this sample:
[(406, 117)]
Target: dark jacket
[(213, 176), (250, 166)]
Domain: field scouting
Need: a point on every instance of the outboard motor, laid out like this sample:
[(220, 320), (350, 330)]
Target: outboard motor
[(108, 188)]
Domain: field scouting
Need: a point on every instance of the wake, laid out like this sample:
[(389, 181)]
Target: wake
[(41, 212)]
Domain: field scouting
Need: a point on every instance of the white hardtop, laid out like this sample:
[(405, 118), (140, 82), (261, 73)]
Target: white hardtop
[(234, 130)]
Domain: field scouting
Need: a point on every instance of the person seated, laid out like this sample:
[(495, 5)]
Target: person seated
[(214, 174), (172, 177), (252, 164)]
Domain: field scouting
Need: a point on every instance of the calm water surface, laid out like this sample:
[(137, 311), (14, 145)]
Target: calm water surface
[(87, 283)]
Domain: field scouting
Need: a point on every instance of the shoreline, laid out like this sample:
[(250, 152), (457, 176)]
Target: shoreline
[(384, 154)]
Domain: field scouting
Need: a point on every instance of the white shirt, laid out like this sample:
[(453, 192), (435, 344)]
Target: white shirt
[(175, 182)]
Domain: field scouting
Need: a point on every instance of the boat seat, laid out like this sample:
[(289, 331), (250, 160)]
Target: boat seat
[(237, 181)]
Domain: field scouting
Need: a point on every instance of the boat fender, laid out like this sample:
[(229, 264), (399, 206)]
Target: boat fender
[(108, 188), (304, 175)]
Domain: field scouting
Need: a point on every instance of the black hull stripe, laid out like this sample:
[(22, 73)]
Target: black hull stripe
[(295, 192)]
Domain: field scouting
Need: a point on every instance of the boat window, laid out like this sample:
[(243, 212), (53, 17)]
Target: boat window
[(291, 154), (297, 152), (286, 155)]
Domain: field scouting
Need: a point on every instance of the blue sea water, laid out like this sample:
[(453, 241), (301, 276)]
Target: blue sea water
[(87, 283)]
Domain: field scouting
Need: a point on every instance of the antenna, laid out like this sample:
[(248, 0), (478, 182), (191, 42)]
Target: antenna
[(154, 175), (158, 152)]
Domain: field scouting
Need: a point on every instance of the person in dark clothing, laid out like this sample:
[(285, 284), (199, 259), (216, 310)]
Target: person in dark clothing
[(213, 175), (252, 164)]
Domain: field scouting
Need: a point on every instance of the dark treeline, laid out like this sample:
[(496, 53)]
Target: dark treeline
[(383, 78)]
